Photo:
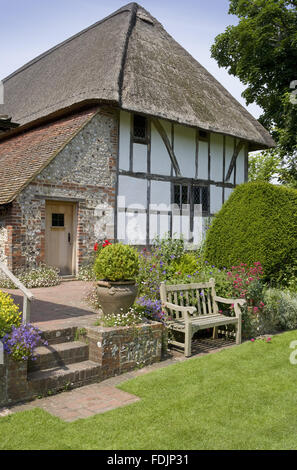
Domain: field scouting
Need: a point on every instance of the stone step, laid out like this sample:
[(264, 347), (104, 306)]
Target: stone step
[(60, 335), (59, 355), (49, 381)]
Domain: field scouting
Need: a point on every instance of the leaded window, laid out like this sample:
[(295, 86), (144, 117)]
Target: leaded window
[(140, 129)]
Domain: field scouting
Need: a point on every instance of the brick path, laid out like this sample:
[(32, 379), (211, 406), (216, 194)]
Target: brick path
[(104, 396), (64, 302)]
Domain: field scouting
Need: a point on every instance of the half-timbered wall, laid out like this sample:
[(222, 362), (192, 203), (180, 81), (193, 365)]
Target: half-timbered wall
[(148, 179)]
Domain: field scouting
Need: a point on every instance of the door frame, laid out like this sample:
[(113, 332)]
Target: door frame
[(74, 205)]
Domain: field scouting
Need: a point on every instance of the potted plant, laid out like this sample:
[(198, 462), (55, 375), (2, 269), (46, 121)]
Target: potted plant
[(116, 268)]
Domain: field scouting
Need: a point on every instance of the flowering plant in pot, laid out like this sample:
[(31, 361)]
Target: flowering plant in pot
[(116, 268)]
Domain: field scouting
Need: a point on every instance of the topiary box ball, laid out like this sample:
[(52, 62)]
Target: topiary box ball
[(117, 262)]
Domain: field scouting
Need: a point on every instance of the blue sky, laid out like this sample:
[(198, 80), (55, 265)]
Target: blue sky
[(30, 27)]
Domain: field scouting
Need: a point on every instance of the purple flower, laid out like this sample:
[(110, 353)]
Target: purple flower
[(22, 341)]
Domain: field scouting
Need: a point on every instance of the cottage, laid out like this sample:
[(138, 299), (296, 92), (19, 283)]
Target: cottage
[(123, 135)]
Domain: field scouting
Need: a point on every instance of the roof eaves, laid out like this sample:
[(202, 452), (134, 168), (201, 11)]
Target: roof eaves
[(50, 159)]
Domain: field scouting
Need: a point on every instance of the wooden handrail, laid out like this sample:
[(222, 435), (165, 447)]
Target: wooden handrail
[(28, 296)]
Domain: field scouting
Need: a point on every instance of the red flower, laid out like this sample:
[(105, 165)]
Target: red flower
[(106, 243), (96, 246)]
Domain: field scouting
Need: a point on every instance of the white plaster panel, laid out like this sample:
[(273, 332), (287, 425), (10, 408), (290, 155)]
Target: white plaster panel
[(134, 190), (140, 158), (240, 167), (121, 224), (136, 228), (198, 230), (124, 144), (228, 192), (185, 149), (160, 192), (216, 197), (159, 225), (216, 161), (203, 160), (229, 154), (160, 160)]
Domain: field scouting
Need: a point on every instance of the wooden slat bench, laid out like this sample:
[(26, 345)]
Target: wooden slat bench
[(193, 307)]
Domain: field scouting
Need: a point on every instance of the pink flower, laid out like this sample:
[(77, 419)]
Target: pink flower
[(256, 309), (252, 340), (268, 339)]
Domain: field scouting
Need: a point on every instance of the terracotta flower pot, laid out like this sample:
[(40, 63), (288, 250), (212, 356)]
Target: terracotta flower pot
[(116, 297)]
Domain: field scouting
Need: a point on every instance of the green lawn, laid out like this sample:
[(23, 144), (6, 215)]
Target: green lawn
[(240, 398)]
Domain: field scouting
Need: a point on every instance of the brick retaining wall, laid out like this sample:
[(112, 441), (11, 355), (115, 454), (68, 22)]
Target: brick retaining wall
[(119, 350), (115, 350), (13, 382)]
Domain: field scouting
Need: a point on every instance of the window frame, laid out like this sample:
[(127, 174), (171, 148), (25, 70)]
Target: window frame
[(54, 214), (139, 140), (190, 187)]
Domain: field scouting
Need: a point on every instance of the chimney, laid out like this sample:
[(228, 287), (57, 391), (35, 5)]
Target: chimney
[(6, 124)]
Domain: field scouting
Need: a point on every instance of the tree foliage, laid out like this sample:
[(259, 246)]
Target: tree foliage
[(261, 50), (264, 166)]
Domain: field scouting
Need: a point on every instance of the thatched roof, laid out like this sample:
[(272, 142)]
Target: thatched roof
[(130, 60), (25, 155)]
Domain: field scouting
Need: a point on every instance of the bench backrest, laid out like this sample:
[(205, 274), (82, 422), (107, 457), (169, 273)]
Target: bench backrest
[(199, 295)]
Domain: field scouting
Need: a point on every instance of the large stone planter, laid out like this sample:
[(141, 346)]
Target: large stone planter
[(116, 297)]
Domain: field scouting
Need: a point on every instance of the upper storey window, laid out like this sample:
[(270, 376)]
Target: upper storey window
[(203, 136), (140, 133)]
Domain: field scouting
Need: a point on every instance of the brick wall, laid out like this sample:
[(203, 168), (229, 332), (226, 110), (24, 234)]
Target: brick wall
[(13, 382), (84, 171), (119, 350)]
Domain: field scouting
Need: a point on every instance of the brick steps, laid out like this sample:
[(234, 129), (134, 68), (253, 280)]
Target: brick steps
[(61, 377), (61, 335), (63, 364), (58, 355)]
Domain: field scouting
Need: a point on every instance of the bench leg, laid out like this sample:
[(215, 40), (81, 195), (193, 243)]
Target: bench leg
[(188, 339), (215, 333), (238, 331)]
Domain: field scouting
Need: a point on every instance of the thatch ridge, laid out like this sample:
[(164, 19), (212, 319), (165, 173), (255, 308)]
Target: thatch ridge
[(129, 60)]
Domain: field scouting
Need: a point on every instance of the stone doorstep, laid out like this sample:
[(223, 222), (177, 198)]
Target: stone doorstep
[(55, 379), (59, 354)]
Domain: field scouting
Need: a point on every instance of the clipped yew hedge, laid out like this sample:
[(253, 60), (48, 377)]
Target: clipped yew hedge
[(257, 223)]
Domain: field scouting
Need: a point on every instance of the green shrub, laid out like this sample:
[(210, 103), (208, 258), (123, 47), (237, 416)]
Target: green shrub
[(186, 264), (117, 263), (280, 309), (168, 248), (10, 314), (258, 222)]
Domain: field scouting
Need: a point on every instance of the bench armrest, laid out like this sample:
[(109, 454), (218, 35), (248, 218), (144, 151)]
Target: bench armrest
[(235, 302), (178, 308), (229, 301)]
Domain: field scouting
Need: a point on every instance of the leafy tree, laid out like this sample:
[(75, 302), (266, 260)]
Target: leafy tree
[(264, 166), (261, 50)]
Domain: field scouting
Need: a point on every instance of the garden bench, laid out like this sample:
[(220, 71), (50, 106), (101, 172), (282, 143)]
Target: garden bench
[(193, 307)]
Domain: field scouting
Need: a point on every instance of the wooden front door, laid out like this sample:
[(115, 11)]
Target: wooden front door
[(60, 236)]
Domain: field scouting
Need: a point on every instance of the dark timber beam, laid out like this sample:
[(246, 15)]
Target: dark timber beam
[(167, 144), (237, 149)]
